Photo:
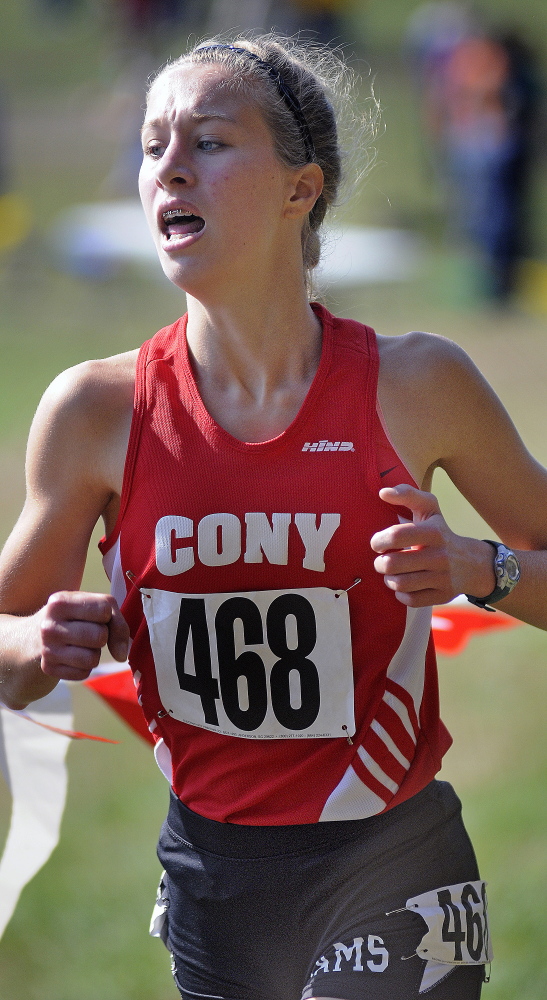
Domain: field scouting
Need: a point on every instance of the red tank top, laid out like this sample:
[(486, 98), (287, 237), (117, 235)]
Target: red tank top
[(279, 690)]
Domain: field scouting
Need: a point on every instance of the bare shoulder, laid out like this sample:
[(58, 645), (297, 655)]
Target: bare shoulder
[(93, 385), (74, 471), (423, 358), (432, 373), (84, 416), (441, 412), (434, 400)]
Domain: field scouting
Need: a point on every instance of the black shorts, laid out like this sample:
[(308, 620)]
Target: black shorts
[(295, 912)]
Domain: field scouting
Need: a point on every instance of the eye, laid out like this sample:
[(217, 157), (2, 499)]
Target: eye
[(209, 145), (153, 149)]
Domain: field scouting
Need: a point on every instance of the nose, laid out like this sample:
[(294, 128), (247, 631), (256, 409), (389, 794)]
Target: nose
[(173, 169)]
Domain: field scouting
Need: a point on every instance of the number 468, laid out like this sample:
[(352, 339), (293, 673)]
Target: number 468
[(192, 626)]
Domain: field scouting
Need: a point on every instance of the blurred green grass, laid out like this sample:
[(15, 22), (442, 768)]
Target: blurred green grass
[(81, 927)]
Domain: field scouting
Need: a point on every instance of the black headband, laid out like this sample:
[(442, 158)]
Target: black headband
[(283, 90)]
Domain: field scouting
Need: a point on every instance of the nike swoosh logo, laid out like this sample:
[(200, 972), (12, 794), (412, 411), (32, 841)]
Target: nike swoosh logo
[(382, 474)]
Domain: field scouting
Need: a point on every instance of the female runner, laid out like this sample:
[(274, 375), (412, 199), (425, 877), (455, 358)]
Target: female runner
[(263, 470)]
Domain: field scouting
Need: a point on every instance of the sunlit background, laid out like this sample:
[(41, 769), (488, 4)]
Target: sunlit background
[(448, 233)]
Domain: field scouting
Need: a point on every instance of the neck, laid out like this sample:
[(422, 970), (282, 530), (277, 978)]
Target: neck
[(254, 361), (256, 341)]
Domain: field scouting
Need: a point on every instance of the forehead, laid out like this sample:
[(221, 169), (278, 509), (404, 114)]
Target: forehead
[(194, 90)]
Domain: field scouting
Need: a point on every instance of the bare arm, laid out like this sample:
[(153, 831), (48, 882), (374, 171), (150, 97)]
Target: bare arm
[(454, 420), (73, 471)]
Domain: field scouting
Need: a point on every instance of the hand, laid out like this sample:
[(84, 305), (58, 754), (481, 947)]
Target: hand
[(75, 627), (425, 562)]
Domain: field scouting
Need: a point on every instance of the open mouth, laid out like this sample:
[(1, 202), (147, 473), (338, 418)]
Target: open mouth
[(179, 223)]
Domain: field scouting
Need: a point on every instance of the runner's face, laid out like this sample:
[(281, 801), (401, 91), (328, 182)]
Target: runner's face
[(212, 187)]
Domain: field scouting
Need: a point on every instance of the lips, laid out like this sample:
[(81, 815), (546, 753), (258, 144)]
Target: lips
[(179, 222)]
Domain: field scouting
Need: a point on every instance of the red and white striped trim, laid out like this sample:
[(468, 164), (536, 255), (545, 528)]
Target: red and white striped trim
[(387, 751)]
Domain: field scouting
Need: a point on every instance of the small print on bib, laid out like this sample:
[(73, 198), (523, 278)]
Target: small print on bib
[(457, 929), (268, 665)]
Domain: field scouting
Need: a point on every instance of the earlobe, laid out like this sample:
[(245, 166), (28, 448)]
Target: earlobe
[(304, 191)]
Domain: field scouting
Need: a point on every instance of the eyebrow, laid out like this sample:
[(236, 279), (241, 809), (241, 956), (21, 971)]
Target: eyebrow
[(195, 116), (205, 117)]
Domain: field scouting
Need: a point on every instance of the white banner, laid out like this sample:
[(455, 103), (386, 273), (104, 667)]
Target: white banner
[(32, 759)]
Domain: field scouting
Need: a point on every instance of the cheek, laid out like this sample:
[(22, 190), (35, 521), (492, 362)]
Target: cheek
[(146, 190), (252, 201)]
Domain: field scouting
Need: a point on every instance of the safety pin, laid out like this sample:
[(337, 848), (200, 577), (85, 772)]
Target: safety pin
[(339, 593), (400, 910), (131, 577), (348, 737)]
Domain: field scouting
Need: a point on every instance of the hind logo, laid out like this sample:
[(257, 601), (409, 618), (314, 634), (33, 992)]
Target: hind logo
[(325, 445)]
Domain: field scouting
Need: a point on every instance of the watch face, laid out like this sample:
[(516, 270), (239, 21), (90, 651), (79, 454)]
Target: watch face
[(507, 568), (512, 568)]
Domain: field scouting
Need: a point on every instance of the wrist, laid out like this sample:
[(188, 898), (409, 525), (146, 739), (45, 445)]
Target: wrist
[(21, 679), (481, 578)]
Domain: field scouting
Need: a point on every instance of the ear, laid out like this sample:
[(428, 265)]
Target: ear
[(305, 187)]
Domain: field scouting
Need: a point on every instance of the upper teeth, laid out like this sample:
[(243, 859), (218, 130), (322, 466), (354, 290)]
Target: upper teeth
[(175, 213)]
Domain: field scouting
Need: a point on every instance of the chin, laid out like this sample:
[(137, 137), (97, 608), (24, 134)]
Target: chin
[(189, 285), (178, 272), (194, 277)]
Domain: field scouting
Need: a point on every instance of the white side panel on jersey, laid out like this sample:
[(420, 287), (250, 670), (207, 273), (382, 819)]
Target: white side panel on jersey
[(351, 799), (407, 667), (163, 760), (108, 559), (114, 570)]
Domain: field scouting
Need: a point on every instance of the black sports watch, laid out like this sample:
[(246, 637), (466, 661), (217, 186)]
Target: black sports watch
[(507, 570)]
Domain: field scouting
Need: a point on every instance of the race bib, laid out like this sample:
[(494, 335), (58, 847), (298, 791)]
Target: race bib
[(457, 922), (266, 665)]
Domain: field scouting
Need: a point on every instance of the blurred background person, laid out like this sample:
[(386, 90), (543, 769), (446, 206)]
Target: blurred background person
[(145, 17), (483, 115), (322, 20), (433, 31), (480, 93), (257, 15)]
